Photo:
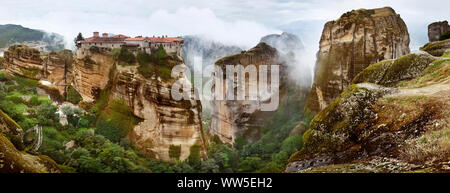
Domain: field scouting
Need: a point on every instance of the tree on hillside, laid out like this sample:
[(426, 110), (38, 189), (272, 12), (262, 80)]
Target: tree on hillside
[(78, 38)]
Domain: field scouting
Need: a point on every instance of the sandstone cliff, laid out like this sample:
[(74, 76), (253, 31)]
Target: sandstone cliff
[(12, 157), (165, 121), (348, 45), (436, 29), (92, 73), (392, 118), (28, 62)]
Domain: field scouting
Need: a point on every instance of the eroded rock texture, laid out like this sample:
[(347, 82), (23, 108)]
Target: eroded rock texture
[(92, 73), (436, 29), (29, 62), (348, 45), (165, 121)]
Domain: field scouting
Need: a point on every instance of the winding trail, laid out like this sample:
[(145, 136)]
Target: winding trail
[(38, 144)]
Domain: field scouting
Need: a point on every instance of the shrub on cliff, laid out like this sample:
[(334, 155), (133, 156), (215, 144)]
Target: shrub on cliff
[(158, 63), (47, 113), (194, 158), (175, 151), (116, 120), (123, 56), (445, 36), (72, 95)]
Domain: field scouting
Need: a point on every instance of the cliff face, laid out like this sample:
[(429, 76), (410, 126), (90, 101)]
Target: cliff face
[(232, 118), (349, 44), (12, 157), (28, 62), (91, 74), (165, 121), (436, 29), (392, 118)]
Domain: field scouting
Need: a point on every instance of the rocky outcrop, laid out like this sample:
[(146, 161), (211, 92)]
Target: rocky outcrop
[(232, 118), (165, 121), (392, 118), (348, 45), (92, 73), (12, 157), (28, 62), (436, 29), (437, 48), (24, 61)]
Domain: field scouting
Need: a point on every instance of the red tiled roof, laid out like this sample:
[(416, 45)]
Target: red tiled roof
[(115, 39), (155, 39), (121, 38), (135, 39)]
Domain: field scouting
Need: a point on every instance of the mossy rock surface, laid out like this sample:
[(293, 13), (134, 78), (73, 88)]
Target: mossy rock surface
[(437, 48), (10, 129), (390, 72), (13, 160)]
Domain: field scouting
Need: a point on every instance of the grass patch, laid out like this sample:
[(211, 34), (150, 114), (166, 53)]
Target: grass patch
[(437, 71), (446, 54), (433, 145)]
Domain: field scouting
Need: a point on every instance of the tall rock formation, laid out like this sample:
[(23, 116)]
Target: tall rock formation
[(349, 44), (232, 118), (165, 121), (436, 29)]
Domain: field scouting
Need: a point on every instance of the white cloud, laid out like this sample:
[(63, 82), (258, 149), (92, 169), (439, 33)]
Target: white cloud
[(230, 21)]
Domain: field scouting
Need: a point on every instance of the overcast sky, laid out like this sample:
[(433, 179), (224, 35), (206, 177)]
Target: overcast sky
[(241, 22)]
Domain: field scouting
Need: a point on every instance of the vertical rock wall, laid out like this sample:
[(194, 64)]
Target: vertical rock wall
[(348, 45)]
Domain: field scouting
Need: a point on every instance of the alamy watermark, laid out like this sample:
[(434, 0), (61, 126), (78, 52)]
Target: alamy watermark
[(256, 83)]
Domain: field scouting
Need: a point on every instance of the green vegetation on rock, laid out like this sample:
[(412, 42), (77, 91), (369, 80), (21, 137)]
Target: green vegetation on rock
[(445, 36), (158, 63), (123, 56), (73, 96)]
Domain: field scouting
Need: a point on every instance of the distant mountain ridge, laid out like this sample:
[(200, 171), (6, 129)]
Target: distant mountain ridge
[(11, 34)]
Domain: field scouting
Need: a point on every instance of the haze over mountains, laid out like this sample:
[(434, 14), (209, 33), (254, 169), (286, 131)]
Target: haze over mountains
[(11, 34)]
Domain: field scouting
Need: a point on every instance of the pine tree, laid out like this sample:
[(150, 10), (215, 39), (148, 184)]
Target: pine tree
[(78, 38)]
